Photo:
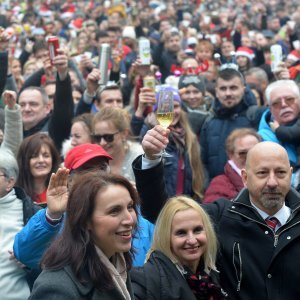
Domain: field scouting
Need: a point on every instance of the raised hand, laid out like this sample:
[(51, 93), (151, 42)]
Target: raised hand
[(92, 81), (10, 99), (60, 61), (57, 193), (146, 98), (4, 39)]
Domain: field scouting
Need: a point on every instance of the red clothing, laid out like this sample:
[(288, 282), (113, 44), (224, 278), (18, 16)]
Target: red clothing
[(226, 185), (41, 198)]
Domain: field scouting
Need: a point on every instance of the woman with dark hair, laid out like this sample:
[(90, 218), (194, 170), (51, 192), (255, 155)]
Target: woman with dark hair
[(37, 159), (92, 256)]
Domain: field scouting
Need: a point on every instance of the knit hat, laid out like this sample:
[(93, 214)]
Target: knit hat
[(81, 154), (191, 41), (129, 32), (245, 51), (194, 80), (294, 55), (168, 88)]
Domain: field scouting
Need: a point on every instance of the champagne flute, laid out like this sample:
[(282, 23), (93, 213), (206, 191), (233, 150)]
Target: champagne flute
[(165, 111)]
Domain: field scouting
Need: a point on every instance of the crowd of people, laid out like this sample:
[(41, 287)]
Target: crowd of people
[(98, 200)]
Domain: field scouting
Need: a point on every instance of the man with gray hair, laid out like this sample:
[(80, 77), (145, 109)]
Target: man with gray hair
[(283, 99), (258, 77), (16, 208)]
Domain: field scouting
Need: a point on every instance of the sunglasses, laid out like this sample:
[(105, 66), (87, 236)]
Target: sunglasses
[(108, 138)]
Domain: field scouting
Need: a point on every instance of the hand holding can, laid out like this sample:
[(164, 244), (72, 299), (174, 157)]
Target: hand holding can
[(53, 45)]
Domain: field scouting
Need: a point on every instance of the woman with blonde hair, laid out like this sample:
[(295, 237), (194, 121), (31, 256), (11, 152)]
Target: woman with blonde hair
[(181, 263), (111, 130)]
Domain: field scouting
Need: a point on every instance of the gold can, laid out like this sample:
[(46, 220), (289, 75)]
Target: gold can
[(149, 82)]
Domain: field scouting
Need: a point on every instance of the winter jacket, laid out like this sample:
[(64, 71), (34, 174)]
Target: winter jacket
[(159, 279), (267, 134), (34, 239), (254, 263), (165, 59), (63, 285), (29, 209), (220, 124), (225, 186)]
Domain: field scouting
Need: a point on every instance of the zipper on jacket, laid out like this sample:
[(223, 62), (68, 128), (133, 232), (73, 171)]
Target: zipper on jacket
[(238, 273), (276, 236)]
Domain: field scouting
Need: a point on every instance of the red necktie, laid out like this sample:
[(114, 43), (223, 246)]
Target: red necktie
[(272, 222)]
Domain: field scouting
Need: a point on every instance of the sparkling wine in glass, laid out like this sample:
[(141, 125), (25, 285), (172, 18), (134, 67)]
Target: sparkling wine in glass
[(165, 110)]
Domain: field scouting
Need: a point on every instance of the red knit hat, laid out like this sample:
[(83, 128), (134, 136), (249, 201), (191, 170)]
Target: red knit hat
[(245, 51)]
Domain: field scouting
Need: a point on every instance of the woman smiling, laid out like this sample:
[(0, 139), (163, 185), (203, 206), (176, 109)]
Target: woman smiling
[(91, 257), (181, 261)]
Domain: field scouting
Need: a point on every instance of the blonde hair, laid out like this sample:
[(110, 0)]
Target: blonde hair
[(193, 150), (119, 117), (162, 232)]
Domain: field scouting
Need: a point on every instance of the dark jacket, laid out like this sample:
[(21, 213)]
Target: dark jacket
[(159, 279), (225, 186), (29, 209), (220, 124), (165, 60), (171, 167), (58, 123), (253, 262), (63, 285)]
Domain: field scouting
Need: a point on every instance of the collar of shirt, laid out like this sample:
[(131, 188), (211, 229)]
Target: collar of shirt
[(234, 167), (282, 215)]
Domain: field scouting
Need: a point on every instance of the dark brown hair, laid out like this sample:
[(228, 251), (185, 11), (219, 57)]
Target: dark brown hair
[(75, 246), (28, 148)]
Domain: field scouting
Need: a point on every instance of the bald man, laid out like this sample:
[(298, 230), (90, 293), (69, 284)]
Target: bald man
[(259, 255)]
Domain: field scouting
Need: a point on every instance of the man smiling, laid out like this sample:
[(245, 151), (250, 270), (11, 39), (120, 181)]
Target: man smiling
[(283, 98)]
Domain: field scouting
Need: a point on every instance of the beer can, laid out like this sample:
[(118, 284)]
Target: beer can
[(149, 82), (144, 51), (276, 57), (53, 45), (104, 57)]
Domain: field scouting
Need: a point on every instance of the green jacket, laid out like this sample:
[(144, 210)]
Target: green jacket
[(63, 285)]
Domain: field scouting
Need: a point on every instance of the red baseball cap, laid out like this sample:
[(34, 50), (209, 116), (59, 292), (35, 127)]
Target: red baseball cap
[(79, 155)]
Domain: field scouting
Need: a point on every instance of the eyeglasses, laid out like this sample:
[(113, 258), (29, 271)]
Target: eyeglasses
[(109, 137), (277, 104), (242, 153)]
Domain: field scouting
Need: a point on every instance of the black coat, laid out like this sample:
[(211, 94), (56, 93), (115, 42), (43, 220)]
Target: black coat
[(63, 285), (159, 279), (29, 209), (253, 262)]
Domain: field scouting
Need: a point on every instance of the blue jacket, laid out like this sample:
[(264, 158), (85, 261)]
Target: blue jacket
[(220, 124), (34, 239), (267, 134)]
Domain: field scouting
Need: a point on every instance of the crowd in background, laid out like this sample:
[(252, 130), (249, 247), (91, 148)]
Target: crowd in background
[(214, 56)]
